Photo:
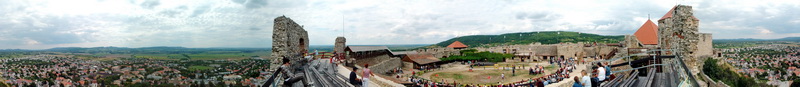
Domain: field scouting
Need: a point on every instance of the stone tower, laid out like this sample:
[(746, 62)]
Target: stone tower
[(339, 45), (678, 30), (289, 39)]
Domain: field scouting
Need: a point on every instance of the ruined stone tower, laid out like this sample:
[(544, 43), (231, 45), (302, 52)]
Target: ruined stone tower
[(339, 45), (288, 40), (678, 30)]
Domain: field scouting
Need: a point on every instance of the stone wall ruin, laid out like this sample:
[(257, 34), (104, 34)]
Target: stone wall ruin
[(289, 39), (679, 30)]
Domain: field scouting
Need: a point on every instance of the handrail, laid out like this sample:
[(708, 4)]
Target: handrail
[(679, 60), (272, 78), (632, 55), (685, 69), (648, 66)]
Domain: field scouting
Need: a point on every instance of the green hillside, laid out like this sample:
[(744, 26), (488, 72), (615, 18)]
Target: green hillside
[(544, 37)]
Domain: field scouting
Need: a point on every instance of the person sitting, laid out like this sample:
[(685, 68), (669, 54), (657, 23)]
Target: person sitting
[(354, 78), (585, 80), (290, 77), (601, 73), (530, 71), (608, 69), (595, 81), (577, 82)]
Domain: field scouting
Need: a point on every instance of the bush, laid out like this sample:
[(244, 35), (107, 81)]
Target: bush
[(726, 75), (469, 55)]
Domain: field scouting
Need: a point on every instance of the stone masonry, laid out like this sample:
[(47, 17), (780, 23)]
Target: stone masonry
[(339, 45), (289, 39), (679, 30)]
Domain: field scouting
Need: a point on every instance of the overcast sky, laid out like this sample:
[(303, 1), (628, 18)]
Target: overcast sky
[(42, 24)]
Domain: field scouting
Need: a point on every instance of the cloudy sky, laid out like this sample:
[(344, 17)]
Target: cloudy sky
[(42, 24)]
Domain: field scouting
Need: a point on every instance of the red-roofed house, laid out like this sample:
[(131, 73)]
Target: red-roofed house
[(648, 33), (457, 45)]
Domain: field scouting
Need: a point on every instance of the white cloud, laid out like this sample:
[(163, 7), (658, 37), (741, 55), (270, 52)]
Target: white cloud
[(764, 31)]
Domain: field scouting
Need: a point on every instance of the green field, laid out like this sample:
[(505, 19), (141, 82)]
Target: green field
[(196, 68)]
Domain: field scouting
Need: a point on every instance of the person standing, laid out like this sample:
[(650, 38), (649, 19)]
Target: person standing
[(513, 70), (366, 75), (503, 76)]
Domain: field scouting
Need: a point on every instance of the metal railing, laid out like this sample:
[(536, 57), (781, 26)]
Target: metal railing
[(676, 65)]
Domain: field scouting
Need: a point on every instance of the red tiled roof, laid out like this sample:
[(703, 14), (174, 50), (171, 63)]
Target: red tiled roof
[(457, 44), (648, 33)]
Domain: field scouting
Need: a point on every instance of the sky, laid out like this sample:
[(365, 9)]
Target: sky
[(43, 24)]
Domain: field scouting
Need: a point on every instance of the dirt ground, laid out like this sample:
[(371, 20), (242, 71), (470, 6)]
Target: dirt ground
[(486, 75)]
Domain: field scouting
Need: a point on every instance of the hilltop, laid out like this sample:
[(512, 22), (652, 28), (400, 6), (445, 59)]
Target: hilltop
[(789, 39), (544, 37)]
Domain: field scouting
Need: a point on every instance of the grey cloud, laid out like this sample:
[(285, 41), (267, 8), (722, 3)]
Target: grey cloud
[(255, 28), (47, 29), (200, 10), (251, 3), (714, 17), (150, 4), (537, 16)]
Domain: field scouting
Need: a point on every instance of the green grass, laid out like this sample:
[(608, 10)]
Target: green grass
[(195, 68), (549, 67), (456, 76)]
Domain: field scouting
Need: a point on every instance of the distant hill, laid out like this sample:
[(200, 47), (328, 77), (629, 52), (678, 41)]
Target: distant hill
[(544, 37), (148, 50), (792, 39), (789, 39)]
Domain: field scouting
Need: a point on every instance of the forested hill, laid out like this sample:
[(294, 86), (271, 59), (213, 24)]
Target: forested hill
[(544, 37)]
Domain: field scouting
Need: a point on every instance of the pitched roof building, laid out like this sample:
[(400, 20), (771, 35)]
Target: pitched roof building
[(648, 33), (457, 45), (421, 59)]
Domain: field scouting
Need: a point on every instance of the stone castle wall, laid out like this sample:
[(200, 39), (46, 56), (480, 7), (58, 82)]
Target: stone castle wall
[(289, 39), (570, 50), (631, 41), (385, 66), (577, 50), (705, 46), (439, 52), (680, 32)]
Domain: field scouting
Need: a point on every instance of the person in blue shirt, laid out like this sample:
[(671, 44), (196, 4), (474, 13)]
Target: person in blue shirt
[(577, 82), (545, 82), (608, 69)]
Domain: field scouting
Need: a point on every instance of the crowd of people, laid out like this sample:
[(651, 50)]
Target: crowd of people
[(588, 79), (536, 70)]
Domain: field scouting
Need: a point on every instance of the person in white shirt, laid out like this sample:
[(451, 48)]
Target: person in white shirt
[(586, 80), (601, 73)]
